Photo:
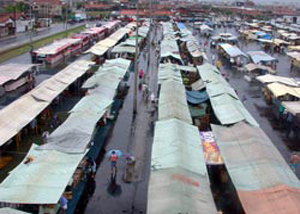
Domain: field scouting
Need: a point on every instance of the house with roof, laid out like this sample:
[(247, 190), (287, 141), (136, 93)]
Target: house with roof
[(22, 23), (48, 8), (7, 26)]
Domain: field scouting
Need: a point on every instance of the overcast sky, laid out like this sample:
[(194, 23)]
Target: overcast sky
[(279, 2)]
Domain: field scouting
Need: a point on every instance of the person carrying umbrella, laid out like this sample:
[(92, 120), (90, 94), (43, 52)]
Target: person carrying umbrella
[(113, 162)]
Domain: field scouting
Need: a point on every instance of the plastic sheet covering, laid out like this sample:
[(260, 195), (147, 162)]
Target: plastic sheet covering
[(252, 159), (232, 51), (119, 62), (217, 89), (169, 71), (12, 71), (91, 103), (123, 49), (196, 97), (170, 54), (204, 28), (194, 48), (294, 48), (198, 111), (279, 90), (108, 42), (251, 67), (206, 69), (22, 111), (210, 77), (198, 85), (294, 55), (292, 106), (260, 56), (98, 50), (41, 181), (229, 110), (75, 134), (178, 180), (143, 31), (268, 78), (8, 210), (172, 102), (17, 115), (264, 181), (52, 87)]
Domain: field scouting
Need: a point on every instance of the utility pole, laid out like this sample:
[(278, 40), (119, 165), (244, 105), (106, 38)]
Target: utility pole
[(66, 18), (136, 59), (151, 18), (31, 24), (149, 41)]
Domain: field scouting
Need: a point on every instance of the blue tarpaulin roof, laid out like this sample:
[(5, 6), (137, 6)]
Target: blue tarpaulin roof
[(180, 25), (266, 36), (196, 97), (263, 35)]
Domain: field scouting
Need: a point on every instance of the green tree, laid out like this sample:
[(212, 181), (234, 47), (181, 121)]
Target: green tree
[(18, 7)]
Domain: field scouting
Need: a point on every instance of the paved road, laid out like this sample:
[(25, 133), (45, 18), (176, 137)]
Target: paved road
[(13, 41), (133, 135)]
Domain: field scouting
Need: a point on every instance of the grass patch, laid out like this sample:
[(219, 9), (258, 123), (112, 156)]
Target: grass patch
[(98, 13), (39, 43)]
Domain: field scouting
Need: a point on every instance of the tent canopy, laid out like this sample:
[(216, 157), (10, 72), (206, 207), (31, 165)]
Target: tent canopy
[(178, 180), (292, 106), (269, 78), (280, 90), (232, 51), (22, 111), (41, 181), (8, 210), (196, 97), (169, 71), (263, 180), (172, 102), (229, 110), (260, 56), (12, 71), (251, 67)]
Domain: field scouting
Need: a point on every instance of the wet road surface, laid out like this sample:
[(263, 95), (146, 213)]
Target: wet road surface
[(22, 38), (255, 101), (133, 135)]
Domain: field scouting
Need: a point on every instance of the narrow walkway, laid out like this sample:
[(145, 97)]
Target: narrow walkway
[(134, 136)]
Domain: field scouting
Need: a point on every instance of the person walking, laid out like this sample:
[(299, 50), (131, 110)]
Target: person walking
[(213, 59), (295, 159), (113, 162), (141, 74), (219, 64)]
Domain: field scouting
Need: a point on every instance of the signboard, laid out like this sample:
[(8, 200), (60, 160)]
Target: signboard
[(211, 150)]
